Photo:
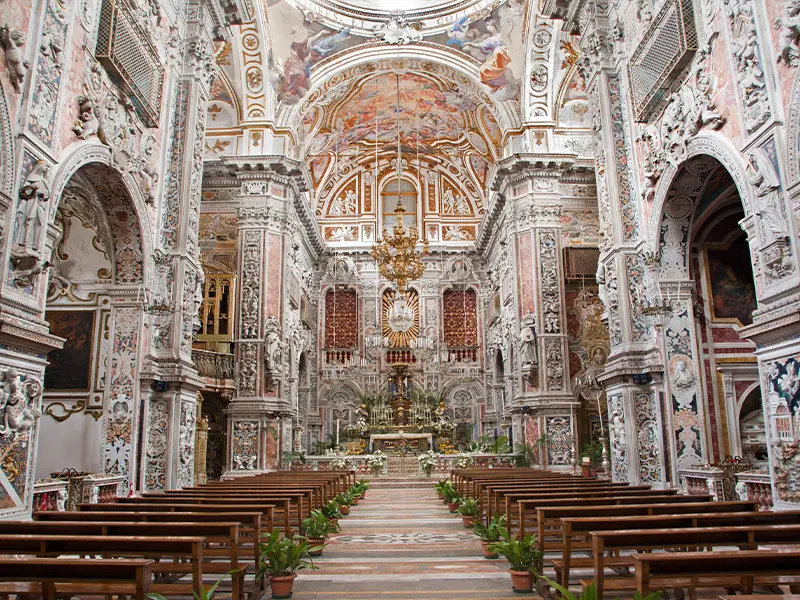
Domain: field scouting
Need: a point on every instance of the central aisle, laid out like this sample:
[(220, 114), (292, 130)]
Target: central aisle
[(402, 543)]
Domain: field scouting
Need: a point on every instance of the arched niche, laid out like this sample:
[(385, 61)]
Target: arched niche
[(98, 215)]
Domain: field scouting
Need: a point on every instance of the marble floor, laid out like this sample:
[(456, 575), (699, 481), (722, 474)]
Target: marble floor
[(403, 544)]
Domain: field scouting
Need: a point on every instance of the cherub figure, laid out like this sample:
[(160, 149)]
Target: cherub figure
[(13, 41)]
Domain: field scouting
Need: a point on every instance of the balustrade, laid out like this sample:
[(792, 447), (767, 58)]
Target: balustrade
[(213, 364), (755, 486)]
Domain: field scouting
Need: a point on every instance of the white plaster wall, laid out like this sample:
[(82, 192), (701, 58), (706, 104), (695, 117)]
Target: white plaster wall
[(74, 443)]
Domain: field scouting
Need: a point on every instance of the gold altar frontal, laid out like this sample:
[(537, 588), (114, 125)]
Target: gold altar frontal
[(401, 441)]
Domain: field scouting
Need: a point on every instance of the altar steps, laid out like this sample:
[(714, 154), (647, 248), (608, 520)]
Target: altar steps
[(385, 482)]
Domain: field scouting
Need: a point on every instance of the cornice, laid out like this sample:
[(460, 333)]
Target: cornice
[(519, 167), (280, 169)]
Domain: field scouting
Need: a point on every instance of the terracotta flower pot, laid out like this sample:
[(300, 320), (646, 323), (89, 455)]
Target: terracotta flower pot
[(452, 506), (282, 586), (344, 509), (355, 501), (521, 581), (469, 522), (335, 521), (488, 553), (313, 542)]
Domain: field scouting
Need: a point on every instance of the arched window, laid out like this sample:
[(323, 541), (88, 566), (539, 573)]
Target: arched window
[(399, 191)]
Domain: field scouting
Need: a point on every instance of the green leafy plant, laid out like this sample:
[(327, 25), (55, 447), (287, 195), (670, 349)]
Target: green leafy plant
[(441, 486), (281, 557), (207, 594), (451, 494), (317, 526), (360, 488), (590, 592), (345, 499), (491, 532), (469, 507), (594, 452), (331, 510), (522, 554)]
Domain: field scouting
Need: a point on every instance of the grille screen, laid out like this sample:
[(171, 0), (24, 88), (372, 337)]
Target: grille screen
[(665, 49), (581, 263), (125, 50)]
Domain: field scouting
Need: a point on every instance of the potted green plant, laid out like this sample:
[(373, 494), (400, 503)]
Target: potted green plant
[(440, 486), (524, 559), (363, 486), (490, 533), (344, 501), (354, 494), (207, 594), (316, 528), (590, 592), (332, 512), (453, 498), (281, 559), (469, 509)]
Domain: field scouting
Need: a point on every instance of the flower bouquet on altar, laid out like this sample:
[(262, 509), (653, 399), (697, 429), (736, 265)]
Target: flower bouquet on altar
[(427, 462), (377, 462)]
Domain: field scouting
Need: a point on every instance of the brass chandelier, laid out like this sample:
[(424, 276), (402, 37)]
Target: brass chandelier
[(396, 252)]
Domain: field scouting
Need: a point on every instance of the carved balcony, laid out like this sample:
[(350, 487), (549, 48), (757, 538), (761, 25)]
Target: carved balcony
[(213, 365)]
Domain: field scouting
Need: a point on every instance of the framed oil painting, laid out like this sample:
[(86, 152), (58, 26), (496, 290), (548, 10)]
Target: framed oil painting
[(70, 367), (730, 276)]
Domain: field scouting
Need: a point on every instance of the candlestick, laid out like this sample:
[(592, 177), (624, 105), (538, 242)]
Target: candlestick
[(337, 432)]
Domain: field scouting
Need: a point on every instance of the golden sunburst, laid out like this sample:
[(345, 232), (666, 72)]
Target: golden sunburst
[(400, 339)]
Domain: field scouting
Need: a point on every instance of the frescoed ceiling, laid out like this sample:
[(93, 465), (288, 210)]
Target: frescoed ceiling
[(324, 81)]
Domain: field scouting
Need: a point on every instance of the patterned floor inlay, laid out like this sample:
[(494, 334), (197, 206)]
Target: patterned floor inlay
[(404, 544), (405, 538)]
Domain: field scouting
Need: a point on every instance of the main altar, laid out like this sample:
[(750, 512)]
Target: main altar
[(403, 418)]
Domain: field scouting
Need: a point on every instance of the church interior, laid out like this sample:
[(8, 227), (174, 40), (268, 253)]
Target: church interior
[(534, 257)]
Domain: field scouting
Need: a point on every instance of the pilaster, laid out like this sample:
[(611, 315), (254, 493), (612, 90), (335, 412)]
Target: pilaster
[(270, 336)]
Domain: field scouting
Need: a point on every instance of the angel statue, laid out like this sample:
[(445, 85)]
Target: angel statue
[(18, 398)]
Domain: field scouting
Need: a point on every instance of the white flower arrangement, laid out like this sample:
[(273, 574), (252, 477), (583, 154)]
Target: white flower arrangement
[(376, 461), (427, 461), (465, 461), (340, 464)]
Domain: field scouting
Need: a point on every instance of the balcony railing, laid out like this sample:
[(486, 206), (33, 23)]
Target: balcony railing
[(213, 364)]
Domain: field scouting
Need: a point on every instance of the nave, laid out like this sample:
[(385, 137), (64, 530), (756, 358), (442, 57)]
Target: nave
[(403, 543), (396, 539)]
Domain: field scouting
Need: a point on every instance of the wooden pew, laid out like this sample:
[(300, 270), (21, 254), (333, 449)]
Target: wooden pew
[(584, 527), (471, 485), (250, 527), (747, 537), (308, 497), (504, 497), (526, 506), (549, 518), (743, 568), (53, 577), (289, 504), (222, 543), (266, 509), (492, 493), (183, 548)]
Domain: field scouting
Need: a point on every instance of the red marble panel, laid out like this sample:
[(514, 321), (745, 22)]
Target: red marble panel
[(525, 263)]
